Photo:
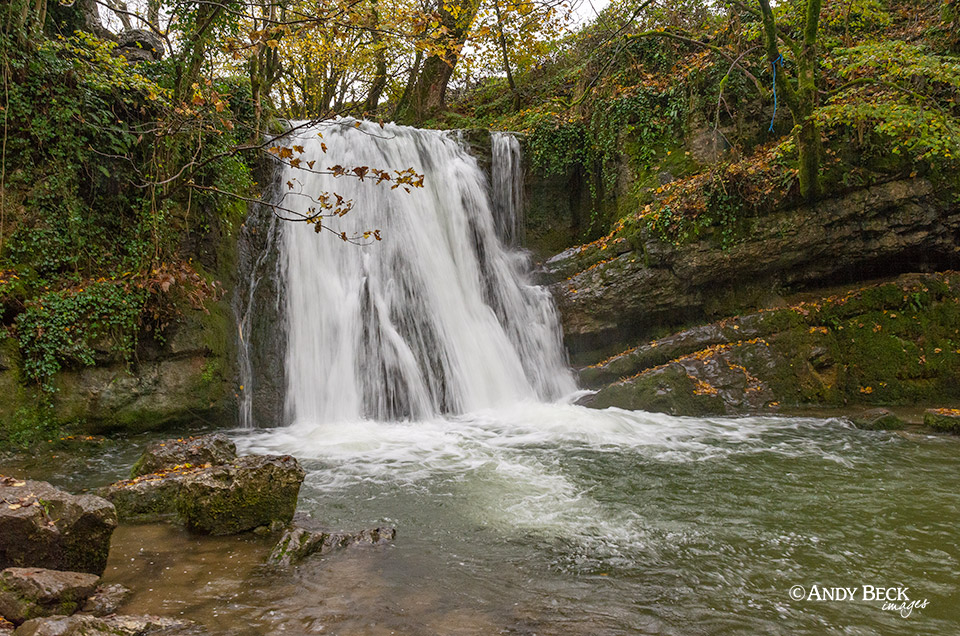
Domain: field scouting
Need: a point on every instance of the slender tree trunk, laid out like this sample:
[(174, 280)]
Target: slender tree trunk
[(380, 63), (802, 100), (408, 88), (506, 57)]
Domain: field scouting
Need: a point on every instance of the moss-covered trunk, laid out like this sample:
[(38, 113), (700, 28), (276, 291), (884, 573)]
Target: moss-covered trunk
[(800, 98)]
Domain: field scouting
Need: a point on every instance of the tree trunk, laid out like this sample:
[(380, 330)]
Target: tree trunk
[(802, 100), (428, 96), (380, 65), (506, 58)]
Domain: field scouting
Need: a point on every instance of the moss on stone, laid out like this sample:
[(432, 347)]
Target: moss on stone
[(943, 420)]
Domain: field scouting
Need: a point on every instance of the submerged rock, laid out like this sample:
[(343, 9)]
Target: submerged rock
[(249, 492), (83, 625), (42, 526), (298, 543), (107, 599), (945, 420), (213, 449), (27, 593), (878, 420)]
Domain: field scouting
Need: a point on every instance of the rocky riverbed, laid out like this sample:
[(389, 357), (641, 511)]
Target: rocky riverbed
[(54, 546)]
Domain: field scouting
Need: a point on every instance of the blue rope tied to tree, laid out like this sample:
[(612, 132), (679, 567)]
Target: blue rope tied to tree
[(774, 63)]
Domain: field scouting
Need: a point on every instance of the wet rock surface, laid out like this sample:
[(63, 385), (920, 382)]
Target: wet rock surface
[(42, 526), (878, 420), (27, 593), (232, 495), (943, 420), (213, 449), (298, 543), (889, 343), (624, 289), (82, 625), (106, 600)]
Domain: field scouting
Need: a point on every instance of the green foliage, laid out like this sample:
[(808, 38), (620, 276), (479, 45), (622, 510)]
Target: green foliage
[(556, 146), (92, 251), (66, 327), (927, 135), (650, 120), (29, 426)]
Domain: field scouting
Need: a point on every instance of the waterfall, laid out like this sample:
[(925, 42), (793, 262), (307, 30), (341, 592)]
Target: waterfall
[(437, 318), (506, 187), (259, 309)]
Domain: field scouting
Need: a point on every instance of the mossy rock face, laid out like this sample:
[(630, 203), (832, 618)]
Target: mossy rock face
[(150, 497), (27, 593), (944, 420), (248, 492), (891, 343), (668, 389), (213, 449), (634, 282)]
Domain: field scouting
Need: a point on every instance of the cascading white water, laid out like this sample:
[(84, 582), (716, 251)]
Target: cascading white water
[(506, 187), (438, 317)]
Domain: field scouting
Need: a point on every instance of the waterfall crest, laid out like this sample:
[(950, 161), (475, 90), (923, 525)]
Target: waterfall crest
[(438, 317)]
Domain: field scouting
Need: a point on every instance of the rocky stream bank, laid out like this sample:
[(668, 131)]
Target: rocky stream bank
[(54, 545)]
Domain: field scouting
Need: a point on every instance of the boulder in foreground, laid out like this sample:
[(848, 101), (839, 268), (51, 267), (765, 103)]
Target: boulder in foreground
[(27, 593), (42, 526), (249, 492), (203, 484)]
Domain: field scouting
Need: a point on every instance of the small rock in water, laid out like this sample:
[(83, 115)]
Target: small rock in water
[(42, 526), (213, 449), (878, 420), (107, 599), (84, 625), (27, 593), (945, 420), (298, 543)]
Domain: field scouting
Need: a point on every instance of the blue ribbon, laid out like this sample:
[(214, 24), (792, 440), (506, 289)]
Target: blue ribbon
[(774, 63)]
